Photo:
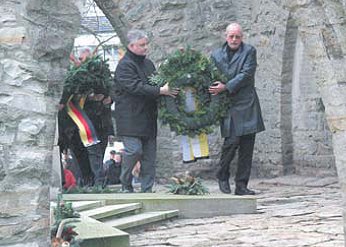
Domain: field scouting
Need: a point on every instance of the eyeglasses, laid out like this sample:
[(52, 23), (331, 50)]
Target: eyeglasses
[(234, 36)]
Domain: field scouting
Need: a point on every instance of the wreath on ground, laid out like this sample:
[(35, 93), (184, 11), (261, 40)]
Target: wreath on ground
[(92, 75), (187, 185), (190, 69)]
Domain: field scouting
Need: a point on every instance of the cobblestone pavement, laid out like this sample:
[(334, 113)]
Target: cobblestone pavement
[(292, 211)]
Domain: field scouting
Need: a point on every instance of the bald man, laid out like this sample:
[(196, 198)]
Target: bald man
[(237, 61)]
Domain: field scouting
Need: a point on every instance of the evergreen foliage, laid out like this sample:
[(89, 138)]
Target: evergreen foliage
[(188, 185), (62, 211), (188, 68), (93, 75)]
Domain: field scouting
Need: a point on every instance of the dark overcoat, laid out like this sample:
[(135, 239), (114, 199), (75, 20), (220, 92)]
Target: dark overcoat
[(245, 115), (135, 99)]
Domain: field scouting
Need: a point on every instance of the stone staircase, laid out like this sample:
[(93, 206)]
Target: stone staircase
[(107, 219), (104, 212), (103, 225)]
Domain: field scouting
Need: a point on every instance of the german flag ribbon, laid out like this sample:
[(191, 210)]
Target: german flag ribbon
[(86, 129)]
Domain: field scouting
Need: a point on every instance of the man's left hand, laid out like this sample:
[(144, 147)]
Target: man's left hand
[(107, 100)]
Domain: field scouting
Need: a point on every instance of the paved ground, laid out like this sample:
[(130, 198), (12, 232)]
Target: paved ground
[(292, 212)]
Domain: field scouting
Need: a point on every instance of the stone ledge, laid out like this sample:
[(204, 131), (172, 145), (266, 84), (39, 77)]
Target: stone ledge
[(188, 206)]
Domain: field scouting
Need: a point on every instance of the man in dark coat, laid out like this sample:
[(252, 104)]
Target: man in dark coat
[(97, 108), (136, 111), (237, 61), (112, 168)]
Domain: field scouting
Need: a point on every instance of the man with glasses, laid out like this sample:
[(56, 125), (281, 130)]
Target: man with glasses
[(136, 111), (237, 61)]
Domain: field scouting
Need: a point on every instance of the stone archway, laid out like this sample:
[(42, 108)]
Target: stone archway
[(299, 42), (36, 37)]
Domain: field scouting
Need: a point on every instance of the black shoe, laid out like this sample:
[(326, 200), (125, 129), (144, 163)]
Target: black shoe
[(148, 191), (127, 189), (242, 191), (224, 186)]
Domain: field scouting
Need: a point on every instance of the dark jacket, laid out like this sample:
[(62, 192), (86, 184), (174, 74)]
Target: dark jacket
[(98, 113), (101, 118), (245, 113), (112, 172), (135, 100)]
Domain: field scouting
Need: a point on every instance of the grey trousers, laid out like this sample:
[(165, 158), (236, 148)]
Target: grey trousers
[(141, 149)]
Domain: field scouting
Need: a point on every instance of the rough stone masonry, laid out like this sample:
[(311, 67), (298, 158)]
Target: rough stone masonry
[(36, 37), (301, 81)]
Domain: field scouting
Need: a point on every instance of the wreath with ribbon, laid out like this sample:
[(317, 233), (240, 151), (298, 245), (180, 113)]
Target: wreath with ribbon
[(190, 69), (92, 75)]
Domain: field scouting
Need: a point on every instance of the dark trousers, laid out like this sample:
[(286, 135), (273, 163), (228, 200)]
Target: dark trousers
[(90, 162), (82, 158), (141, 149), (96, 163), (245, 148)]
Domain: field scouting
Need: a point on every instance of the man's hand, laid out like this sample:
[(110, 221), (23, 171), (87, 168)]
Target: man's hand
[(107, 100), (165, 90), (217, 87), (61, 106)]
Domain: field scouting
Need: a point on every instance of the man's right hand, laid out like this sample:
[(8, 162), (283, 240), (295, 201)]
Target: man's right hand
[(216, 88), (166, 90)]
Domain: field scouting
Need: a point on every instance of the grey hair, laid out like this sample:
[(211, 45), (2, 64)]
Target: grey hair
[(134, 35), (232, 26)]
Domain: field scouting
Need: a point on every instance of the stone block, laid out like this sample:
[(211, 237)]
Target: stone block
[(93, 233), (188, 206)]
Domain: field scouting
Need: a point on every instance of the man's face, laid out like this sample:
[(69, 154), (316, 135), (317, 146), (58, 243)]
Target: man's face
[(140, 47), (234, 37), (116, 157), (84, 55)]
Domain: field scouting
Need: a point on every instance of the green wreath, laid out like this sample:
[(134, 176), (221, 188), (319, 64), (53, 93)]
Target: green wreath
[(190, 69), (93, 75)]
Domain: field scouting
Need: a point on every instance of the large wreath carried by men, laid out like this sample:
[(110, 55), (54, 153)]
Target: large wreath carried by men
[(188, 69)]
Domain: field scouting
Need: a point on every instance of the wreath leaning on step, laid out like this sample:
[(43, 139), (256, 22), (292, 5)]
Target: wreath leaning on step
[(190, 69)]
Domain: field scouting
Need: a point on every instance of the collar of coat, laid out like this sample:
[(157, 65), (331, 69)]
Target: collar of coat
[(236, 54), (135, 57)]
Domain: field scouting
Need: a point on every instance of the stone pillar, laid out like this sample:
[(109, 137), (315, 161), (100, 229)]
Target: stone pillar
[(36, 37), (324, 37)]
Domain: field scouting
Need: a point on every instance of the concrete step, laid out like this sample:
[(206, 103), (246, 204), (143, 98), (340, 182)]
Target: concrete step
[(111, 210), (82, 205), (93, 233), (86, 205), (141, 219), (188, 206)]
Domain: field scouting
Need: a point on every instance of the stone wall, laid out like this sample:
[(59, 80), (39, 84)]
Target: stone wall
[(297, 139), (300, 81), (36, 37), (300, 78), (312, 139)]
